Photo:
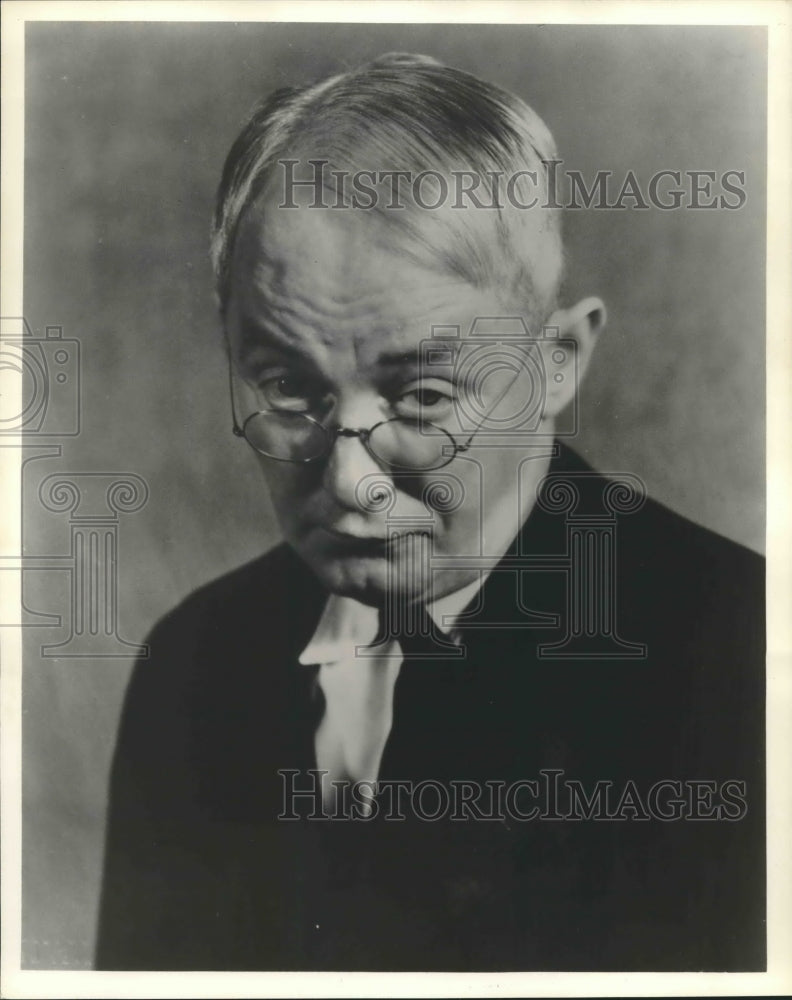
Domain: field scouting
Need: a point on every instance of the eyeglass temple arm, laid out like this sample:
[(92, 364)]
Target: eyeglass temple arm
[(488, 414), (235, 428)]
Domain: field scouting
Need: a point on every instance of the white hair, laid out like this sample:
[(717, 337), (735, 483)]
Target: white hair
[(411, 113)]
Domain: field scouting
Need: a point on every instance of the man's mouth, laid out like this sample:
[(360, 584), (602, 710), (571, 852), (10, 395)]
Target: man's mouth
[(363, 543), (350, 536), (357, 543)]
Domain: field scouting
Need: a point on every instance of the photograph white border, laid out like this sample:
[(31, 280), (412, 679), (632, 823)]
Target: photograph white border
[(776, 15)]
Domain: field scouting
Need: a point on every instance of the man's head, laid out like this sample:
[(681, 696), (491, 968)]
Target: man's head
[(329, 296)]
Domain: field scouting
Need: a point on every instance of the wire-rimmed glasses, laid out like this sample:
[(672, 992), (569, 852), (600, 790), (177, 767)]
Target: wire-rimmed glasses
[(401, 443)]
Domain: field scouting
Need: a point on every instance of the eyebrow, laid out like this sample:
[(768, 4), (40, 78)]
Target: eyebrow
[(257, 339), (399, 357), (414, 355)]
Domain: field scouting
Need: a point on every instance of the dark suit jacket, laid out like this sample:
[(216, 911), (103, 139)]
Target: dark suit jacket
[(200, 873)]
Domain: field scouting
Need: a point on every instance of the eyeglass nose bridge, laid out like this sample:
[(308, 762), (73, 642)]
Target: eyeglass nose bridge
[(361, 433), (352, 432)]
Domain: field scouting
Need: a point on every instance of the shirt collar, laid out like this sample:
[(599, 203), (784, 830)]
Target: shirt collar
[(346, 623)]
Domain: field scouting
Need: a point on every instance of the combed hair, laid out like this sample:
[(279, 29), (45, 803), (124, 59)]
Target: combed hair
[(410, 112)]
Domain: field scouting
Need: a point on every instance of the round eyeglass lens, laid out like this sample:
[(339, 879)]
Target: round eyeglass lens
[(290, 437), (413, 445)]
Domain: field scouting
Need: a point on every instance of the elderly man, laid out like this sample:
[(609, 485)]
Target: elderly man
[(484, 708)]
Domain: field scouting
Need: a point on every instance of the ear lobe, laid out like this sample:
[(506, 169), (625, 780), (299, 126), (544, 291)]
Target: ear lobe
[(582, 324)]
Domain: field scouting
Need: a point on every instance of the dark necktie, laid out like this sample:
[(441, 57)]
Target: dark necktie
[(419, 636)]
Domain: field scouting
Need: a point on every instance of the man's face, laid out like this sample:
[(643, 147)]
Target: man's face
[(325, 317)]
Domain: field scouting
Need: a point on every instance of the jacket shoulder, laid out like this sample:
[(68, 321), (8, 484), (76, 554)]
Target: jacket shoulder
[(697, 571), (274, 572), (269, 592), (236, 633), (656, 536)]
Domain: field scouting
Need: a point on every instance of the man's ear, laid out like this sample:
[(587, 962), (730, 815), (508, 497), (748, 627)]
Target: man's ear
[(582, 324)]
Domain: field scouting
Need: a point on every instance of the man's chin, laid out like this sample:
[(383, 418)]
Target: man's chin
[(365, 578)]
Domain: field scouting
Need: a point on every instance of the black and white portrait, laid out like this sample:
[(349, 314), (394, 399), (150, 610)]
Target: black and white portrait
[(393, 497)]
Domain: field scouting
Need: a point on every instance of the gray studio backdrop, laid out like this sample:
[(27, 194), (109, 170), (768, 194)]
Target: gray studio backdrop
[(127, 128)]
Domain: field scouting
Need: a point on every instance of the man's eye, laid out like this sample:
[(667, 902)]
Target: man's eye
[(291, 392), (425, 401)]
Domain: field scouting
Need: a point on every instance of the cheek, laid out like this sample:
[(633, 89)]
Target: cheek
[(457, 533), (287, 484), (457, 530), (457, 499), (490, 489)]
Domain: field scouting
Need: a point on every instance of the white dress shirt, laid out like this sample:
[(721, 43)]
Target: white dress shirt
[(351, 736)]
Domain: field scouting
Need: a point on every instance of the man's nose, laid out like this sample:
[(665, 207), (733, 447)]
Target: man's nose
[(346, 467)]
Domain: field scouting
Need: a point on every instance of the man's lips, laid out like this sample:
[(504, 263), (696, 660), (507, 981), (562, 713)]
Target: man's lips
[(361, 541), (352, 538)]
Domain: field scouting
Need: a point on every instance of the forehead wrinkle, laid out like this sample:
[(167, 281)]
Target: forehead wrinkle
[(312, 296), (292, 323), (321, 289), (363, 320), (322, 307), (349, 259)]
